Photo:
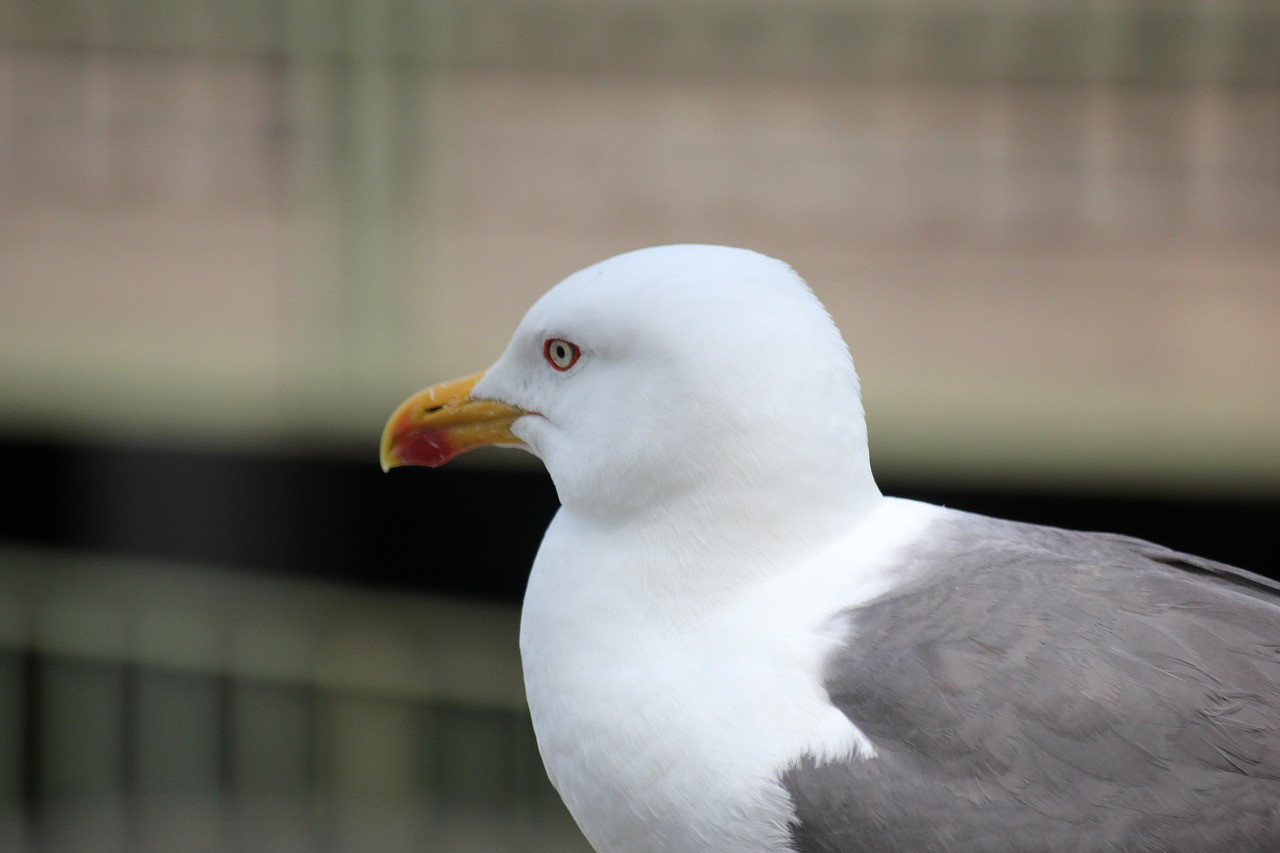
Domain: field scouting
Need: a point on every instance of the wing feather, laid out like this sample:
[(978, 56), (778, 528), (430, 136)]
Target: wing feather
[(1040, 689)]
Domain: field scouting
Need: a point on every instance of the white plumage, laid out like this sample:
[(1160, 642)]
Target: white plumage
[(695, 630)]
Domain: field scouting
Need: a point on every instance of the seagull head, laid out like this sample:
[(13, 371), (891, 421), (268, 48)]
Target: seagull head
[(664, 376)]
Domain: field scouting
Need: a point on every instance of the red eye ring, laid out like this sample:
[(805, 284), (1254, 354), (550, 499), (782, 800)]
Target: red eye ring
[(560, 354)]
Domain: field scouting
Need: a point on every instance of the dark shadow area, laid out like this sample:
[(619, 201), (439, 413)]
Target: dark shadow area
[(468, 530)]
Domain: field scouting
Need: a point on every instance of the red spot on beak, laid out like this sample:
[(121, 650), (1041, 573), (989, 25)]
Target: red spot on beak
[(430, 447)]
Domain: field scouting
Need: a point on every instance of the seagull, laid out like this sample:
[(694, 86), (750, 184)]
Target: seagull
[(732, 641)]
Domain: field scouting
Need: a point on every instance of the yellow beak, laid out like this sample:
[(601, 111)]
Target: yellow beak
[(439, 422)]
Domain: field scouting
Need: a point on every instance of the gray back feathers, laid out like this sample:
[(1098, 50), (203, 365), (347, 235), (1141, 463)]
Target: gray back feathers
[(1039, 689)]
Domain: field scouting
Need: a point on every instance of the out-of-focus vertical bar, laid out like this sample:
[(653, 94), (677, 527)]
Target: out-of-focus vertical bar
[(892, 117), (273, 744), (8, 107), (313, 158), (1210, 118), (13, 731), (83, 679), (995, 203), (83, 756), (1098, 155), (371, 122), (176, 730), (82, 743), (175, 737), (422, 42), (365, 174), (194, 124), (368, 774), (99, 101), (372, 738)]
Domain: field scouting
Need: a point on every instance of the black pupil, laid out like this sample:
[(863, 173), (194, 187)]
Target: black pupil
[(562, 352)]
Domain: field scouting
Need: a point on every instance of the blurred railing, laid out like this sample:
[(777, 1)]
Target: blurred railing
[(149, 707)]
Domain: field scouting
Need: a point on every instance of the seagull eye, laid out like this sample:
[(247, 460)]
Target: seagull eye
[(560, 354)]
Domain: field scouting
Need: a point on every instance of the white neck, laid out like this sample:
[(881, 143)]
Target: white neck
[(680, 558)]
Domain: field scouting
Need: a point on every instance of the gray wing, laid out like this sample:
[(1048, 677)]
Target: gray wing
[(1039, 689)]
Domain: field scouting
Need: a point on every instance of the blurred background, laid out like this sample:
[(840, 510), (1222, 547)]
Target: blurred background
[(234, 234)]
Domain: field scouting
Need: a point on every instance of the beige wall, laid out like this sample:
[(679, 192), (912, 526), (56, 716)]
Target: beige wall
[(1052, 237)]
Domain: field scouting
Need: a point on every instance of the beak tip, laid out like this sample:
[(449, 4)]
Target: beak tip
[(440, 422), (387, 458)]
